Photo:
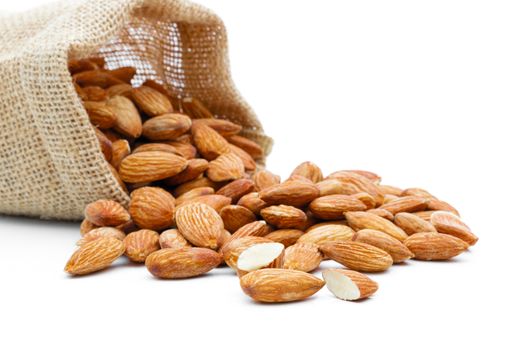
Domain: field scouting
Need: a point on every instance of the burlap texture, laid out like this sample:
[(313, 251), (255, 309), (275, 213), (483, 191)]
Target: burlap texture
[(50, 162)]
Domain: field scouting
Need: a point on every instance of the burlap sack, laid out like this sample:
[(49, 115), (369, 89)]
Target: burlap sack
[(50, 163)]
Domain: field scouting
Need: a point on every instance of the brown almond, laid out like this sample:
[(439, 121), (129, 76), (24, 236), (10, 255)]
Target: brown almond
[(325, 223), (94, 256), (385, 214), (334, 206), (95, 78), (223, 127), (411, 223), (249, 146), (357, 256), (140, 244), (287, 237), (256, 228), (150, 101), (232, 249), (418, 192), (96, 233), (392, 190), (327, 233), (194, 193), (215, 201), (196, 109), (446, 222), (172, 238), (436, 204), (209, 142), (100, 114), (406, 204), (236, 216), (236, 189), (199, 224), (359, 220), (124, 74), (120, 150), (106, 213), (171, 263), (284, 216), (94, 93), (166, 127), (119, 90), (152, 208), (195, 168), (294, 193), (383, 241), (183, 149), (334, 186), (86, 226), (195, 183), (264, 179), (81, 65), (363, 183), (303, 257), (366, 199), (252, 202), (309, 170), (106, 146), (128, 121), (150, 166), (425, 215), (247, 160), (435, 246), (225, 167)]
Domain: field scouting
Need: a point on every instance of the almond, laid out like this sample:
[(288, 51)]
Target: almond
[(195, 168), (264, 179), (247, 160), (334, 206), (411, 223), (125, 74), (287, 237), (392, 190), (256, 228), (100, 114), (236, 189), (200, 224), (140, 244), (225, 167), (81, 65), (128, 121), (106, 213), (173, 239), (194, 193), (366, 199), (309, 170), (94, 93), (196, 183), (418, 192), (334, 186), (303, 257), (436, 204), (253, 202), (182, 263), (121, 150), (446, 222), (359, 220), (208, 141), (215, 201), (96, 233), (152, 208), (357, 256), (348, 284), (119, 90), (327, 233), (435, 246), (150, 101), (116, 175), (106, 146), (94, 256), (86, 226), (284, 216), (223, 127), (325, 223), (150, 166), (425, 215), (292, 193), (361, 182), (95, 78), (166, 127), (183, 149), (195, 108), (406, 204), (236, 216), (280, 285), (383, 241), (249, 146), (385, 214), (156, 147)]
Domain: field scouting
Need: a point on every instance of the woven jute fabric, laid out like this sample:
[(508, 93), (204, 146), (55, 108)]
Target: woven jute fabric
[(50, 162)]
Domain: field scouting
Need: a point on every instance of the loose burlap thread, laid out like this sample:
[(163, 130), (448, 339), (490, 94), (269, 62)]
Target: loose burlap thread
[(50, 162)]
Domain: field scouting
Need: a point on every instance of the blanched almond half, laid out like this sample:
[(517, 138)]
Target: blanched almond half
[(348, 284), (259, 256)]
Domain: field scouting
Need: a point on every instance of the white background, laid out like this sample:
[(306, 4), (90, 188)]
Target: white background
[(425, 93)]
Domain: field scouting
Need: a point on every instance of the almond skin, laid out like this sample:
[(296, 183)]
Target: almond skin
[(435, 246), (365, 286), (294, 193), (284, 216), (94, 256), (411, 223), (199, 224), (359, 220), (357, 256), (173, 239), (446, 222), (171, 263), (225, 167), (140, 244), (280, 285), (406, 204), (383, 241), (303, 257), (264, 179), (327, 233), (208, 141), (151, 102), (96, 233), (235, 216), (106, 213), (287, 237), (166, 127), (128, 121), (236, 189), (309, 170), (152, 208), (334, 206), (150, 166)]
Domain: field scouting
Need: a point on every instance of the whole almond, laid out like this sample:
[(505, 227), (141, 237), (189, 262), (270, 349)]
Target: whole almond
[(152, 208), (96, 233), (124, 74), (348, 284), (385, 214), (106, 146), (86, 226), (183, 149), (325, 223), (362, 183), (411, 223), (287, 237), (446, 222), (195, 168), (225, 167), (392, 190), (140, 244), (425, 215), (128, 121), (253, 202), (280, 285), (294, 193), (264, 179), (334, 206), (119, 90), (156, 146), (150, 101), (195, 108), (303, 257), (256, 228), (215, 201), (95, 255), (334, 186), (406, 204), (284, 216), (121, 150), (310, 171), (95, 78), (106, 213), (251, 147), (436, 204), (435, 246), (359, 220), (150, 166), (182, 263), (195, 183), (194, 193), (327, 233), (366, 199), (166, 127), (199, 224), (100, 114), (173, 239), (223, 127), (236, 189), (247, 160), (414, 191), (357, 256), (236, 216), (208, 141), (383, 241)]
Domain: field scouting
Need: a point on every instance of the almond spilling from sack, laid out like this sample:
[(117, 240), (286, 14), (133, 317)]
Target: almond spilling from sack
[(199, 200)]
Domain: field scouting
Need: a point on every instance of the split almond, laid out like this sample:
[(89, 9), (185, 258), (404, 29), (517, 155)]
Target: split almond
[(349, 285), (232, 249), (259, 256)]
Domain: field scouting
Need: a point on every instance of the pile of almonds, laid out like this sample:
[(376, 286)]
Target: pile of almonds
[(199, 200)]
